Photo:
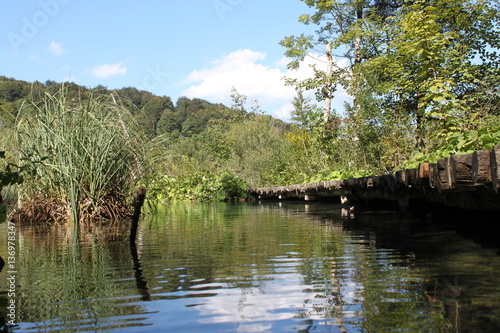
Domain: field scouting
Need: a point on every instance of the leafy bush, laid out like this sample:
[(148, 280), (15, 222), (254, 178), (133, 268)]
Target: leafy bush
[(198, 187)]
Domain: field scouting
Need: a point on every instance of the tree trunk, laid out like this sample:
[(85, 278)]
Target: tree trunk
[(329, 71), (358, 57)]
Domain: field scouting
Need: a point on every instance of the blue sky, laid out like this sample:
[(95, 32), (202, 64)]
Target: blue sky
[(198, 48)]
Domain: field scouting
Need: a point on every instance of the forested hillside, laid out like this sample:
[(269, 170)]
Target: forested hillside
[(156, 115)]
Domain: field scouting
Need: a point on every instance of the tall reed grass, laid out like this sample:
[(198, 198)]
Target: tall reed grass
[(90, 153)]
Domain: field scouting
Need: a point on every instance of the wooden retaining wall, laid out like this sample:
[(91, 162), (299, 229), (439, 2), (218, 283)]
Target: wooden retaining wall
[(465, 181)]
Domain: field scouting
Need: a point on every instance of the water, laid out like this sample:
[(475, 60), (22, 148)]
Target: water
[(268, 267)]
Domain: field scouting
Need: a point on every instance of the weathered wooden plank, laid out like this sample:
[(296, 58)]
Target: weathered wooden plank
[(390, 182), (433, 175), (423, 170), (481, 167), (443, 175), (422, 176), (370, 182), (450, 173), (378, 182), (495, 164), (411, 177), (351, 182), (459, 169), (399, 178), (447, 181)]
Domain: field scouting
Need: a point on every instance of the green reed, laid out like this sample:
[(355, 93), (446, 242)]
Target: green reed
[(89, 150)]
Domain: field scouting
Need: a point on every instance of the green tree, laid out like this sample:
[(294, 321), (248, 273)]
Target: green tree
[(239, 100), (438, 55), (347, 29), (152, 110), (420, 67), (304, 113)]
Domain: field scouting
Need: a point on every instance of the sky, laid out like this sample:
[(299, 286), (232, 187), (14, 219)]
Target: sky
[(197, 48)]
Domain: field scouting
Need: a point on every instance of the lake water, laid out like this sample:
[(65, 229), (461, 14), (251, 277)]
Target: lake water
[(268, 267)]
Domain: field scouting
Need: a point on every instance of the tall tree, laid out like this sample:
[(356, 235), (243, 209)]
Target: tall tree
[(345, 30), (438, 52), (420, 60)]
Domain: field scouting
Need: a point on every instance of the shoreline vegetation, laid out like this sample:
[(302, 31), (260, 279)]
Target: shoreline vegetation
[(78, 154)]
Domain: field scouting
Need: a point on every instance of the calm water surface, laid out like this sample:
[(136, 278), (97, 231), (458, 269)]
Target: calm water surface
[(267, 267)]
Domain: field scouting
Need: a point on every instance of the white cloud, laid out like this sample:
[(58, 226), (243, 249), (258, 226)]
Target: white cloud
[(241, 69), (105, 71), (56, 48)]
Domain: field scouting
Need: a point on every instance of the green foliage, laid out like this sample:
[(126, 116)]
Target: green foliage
[(198, 187), (326, 174), (10, 175), (422, 74), (458, 141)]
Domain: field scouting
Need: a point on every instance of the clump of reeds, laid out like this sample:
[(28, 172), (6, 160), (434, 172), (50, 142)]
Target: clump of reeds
[(90, 157)]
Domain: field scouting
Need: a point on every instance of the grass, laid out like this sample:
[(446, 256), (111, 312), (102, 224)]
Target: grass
[(90, 157)]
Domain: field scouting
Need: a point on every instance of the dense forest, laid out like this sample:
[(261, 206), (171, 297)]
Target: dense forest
[(424, 77)]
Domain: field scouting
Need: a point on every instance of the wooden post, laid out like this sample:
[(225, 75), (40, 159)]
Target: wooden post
[(400, 178), (411, 177), (309, 197), (481, 167), (140, 195), (389, 180), (423, 170), (495, 167), (450, 173), (460, 170), (422, 174), (433, 175), (369, 182), (443, 175)]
